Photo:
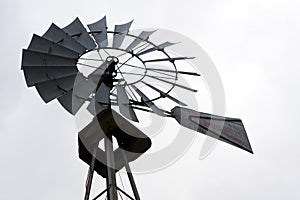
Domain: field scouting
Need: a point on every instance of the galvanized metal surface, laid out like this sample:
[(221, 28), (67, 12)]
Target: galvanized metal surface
[(111, 182), (229, 130), (49, 64), (128, 136), (71, 102), (99, 32), (49, 90), (130, 177), (144, 35), (102, 94), (34, 74), (43, 45), (159, 47), (124, 104), (147, 101), (79, 33), (57, 35), (120, 32), (163, 94), (34, 58)]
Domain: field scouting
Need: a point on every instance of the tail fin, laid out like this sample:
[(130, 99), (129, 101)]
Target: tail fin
[(229, 130)]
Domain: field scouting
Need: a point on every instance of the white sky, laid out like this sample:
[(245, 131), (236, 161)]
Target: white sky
[(255, 46)]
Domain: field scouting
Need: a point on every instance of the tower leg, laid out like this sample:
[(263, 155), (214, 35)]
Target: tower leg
[(130, 177), (90, 176), (111, 172)]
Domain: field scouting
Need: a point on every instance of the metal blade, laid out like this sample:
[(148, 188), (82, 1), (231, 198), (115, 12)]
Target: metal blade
[(159, 47), (34, 74), (83, 87), (66, 83), (33, 58), (57, 35), (71, 102), (79, 33), (97, 74), (89, 85), (43, 45), (142, 37), (147, 101), (52, 89), (60, 72), (124, 106), (102, 94), (228, 130), (168, 59), (120, 32), (95, 108), (99, 32), (163, 94), (48, 90)]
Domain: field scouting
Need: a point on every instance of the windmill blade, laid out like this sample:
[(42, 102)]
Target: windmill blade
[(228, 130), (57, 35), (102, 94), (168, 59), (144, 35), (99, 32), (34, 74), (43, 45), (124, 106), (86, 86), (48, 90), (163, 94), (159, 47), (97, 74), (66, 83), (147, 101), (70, 102), (83, 87), (52, 89), (60, 72), (95, 108), (120, 32), (79, 33), (33, 58)]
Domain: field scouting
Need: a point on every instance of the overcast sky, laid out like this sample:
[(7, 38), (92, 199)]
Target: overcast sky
[(254, 45)]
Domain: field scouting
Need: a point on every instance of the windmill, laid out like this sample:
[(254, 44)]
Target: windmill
[(99, 69)]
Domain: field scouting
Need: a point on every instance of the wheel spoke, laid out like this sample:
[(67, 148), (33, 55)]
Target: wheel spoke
[(163, 94), (124, 62), (173, 71), (86, 65), (181, 86), (106, 52), (168, 59), (99, 55), (131, 73), (138, 67), (91, 59), (132, 92)]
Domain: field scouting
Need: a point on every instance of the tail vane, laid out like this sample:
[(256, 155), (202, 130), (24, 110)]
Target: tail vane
[(229, 130)]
